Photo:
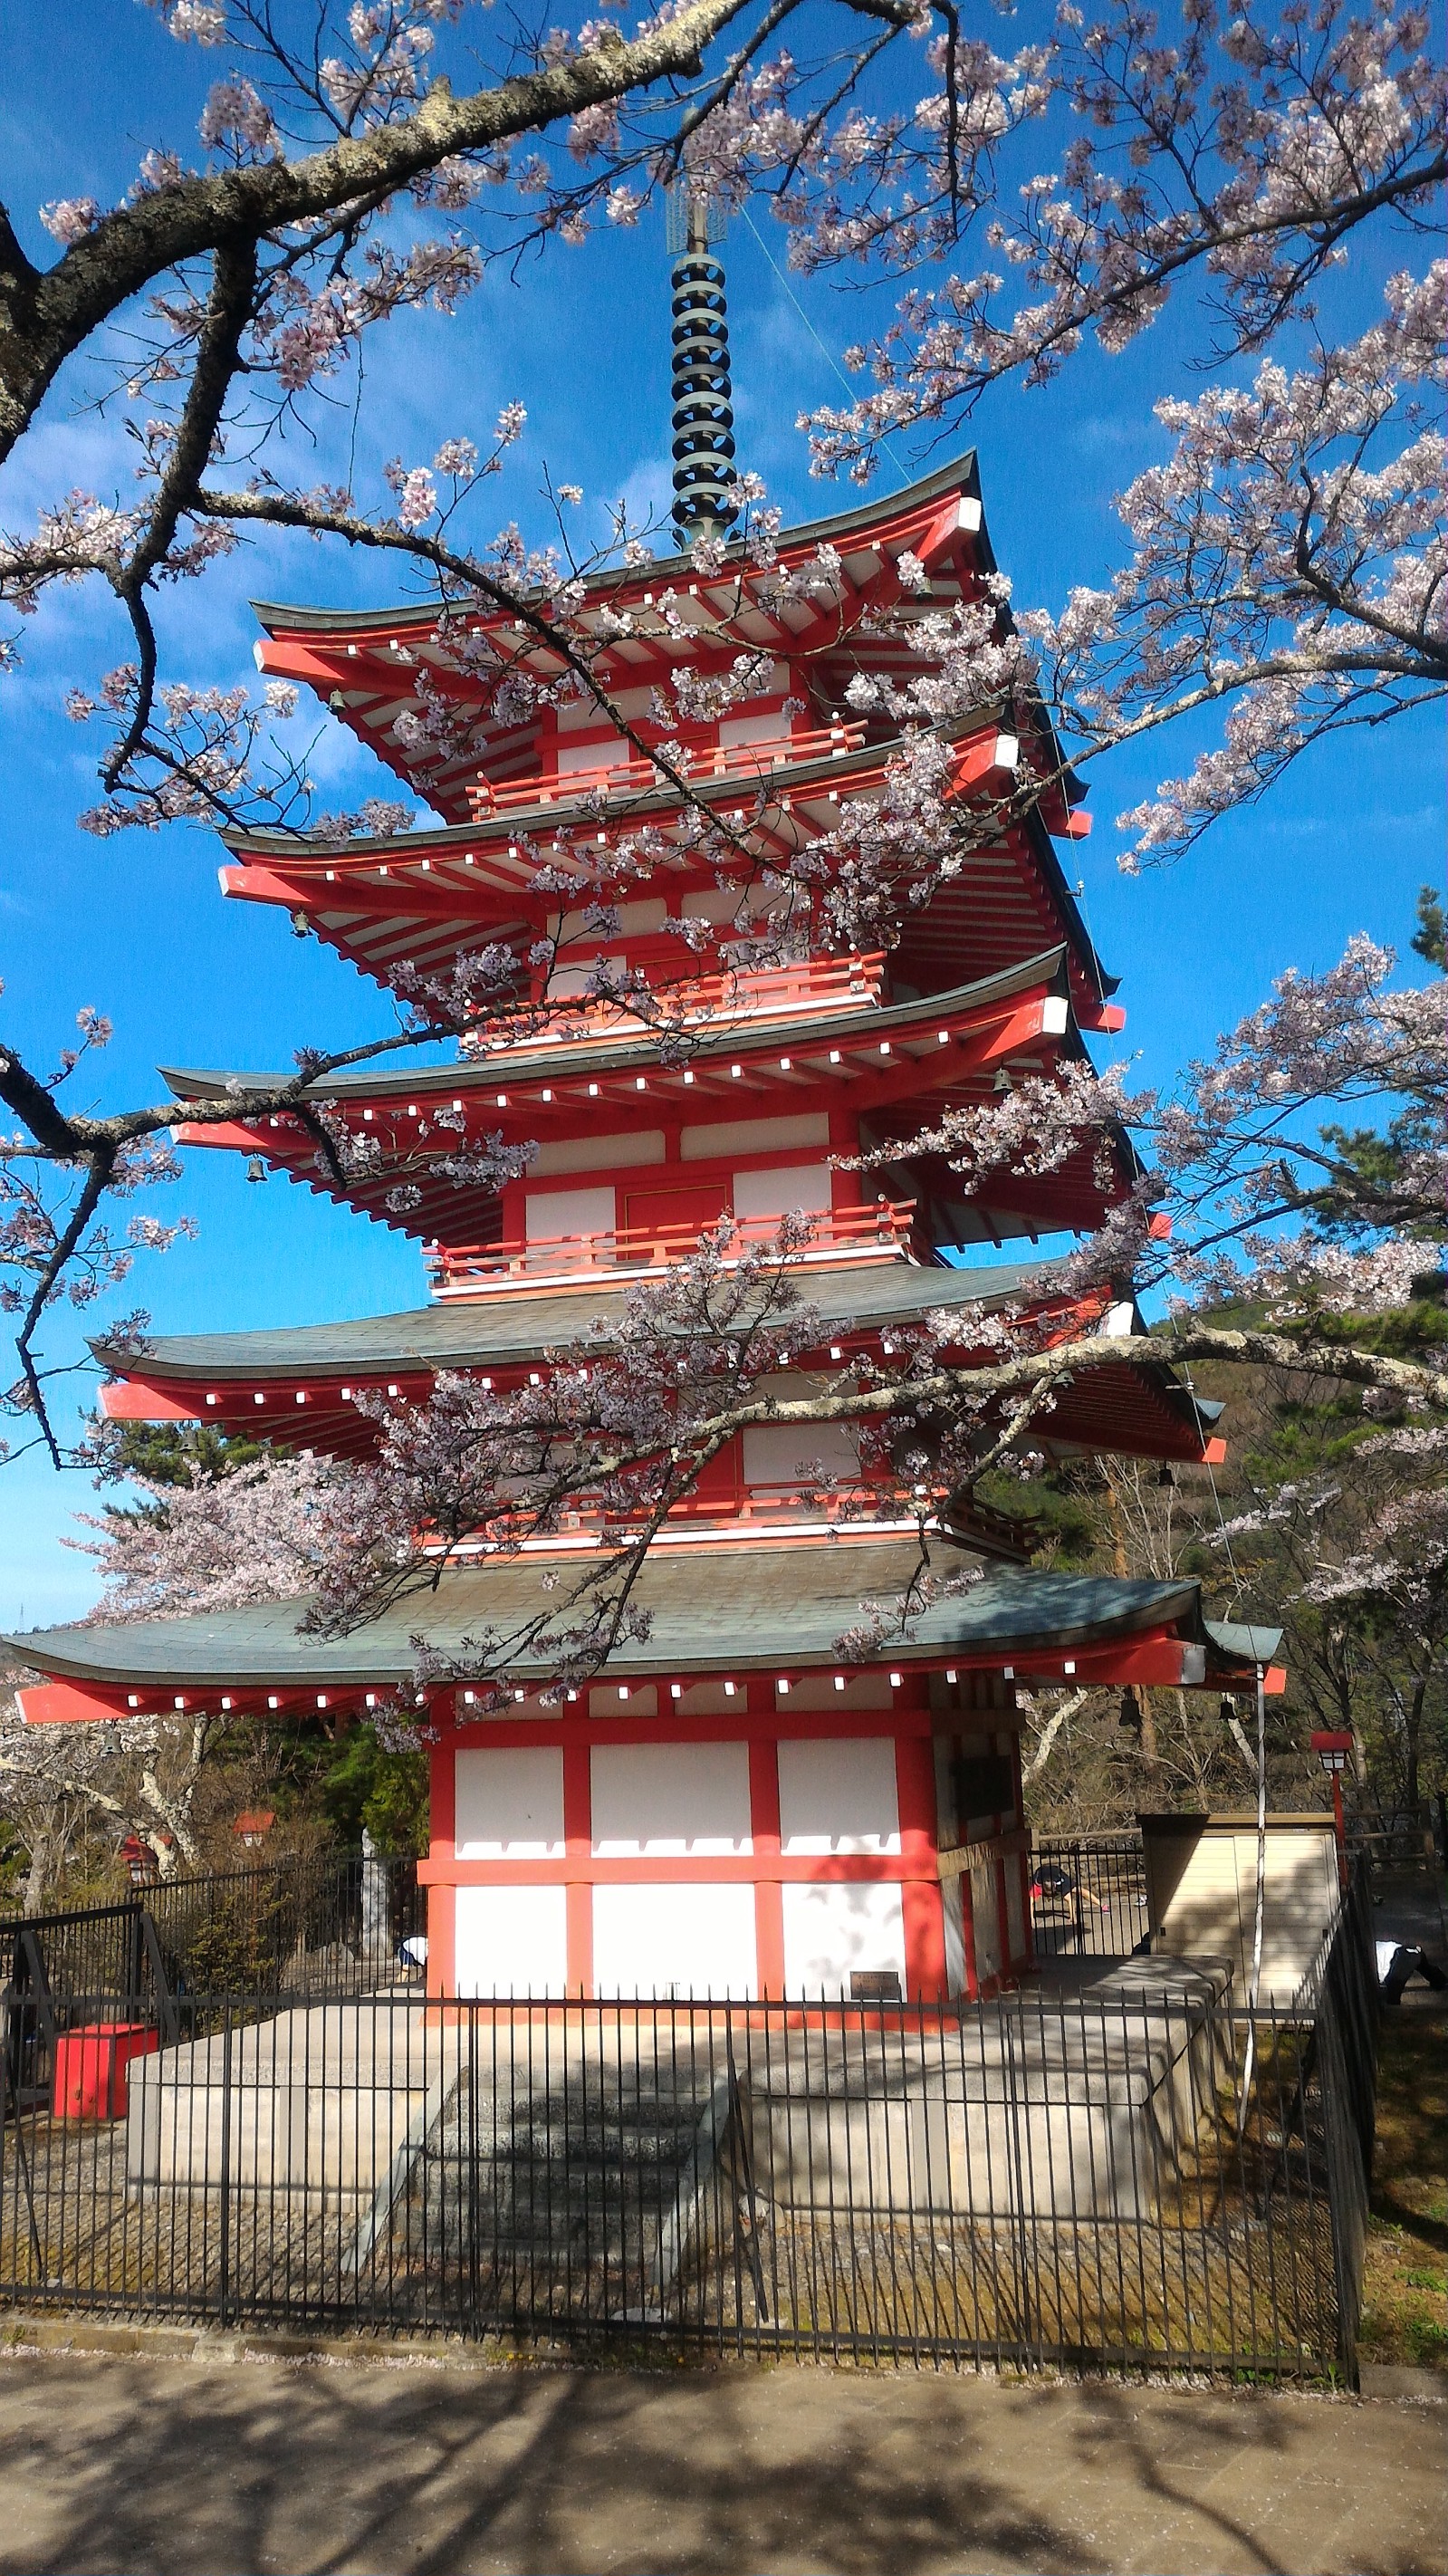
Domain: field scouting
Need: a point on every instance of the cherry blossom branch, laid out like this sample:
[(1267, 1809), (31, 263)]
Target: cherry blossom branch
[(46, 316), (218, 355)]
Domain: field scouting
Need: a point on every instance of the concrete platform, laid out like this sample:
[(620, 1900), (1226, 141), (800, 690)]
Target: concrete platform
[(1062, 2106)]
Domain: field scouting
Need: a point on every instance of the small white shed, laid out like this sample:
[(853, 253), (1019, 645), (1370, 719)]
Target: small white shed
[(1201, 1893)]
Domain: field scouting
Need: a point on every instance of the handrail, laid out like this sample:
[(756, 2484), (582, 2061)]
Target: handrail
[(810, 984), (466, 1270), (712, 760)]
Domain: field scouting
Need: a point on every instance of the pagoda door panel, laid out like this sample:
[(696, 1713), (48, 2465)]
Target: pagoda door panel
[(833, 1927), (688, 1939), (683, 1214), (511, 1941)]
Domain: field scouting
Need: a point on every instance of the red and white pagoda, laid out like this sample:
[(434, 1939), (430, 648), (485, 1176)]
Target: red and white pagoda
[(727, 1807)]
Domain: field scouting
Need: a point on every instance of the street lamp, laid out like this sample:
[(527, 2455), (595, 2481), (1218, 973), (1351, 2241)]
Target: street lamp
[(140, 1860), (1332, 1747)]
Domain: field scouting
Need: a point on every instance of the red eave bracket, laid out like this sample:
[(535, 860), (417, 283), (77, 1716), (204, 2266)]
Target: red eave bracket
[(67, 1703), (227, 1131), (134, 1401), (1105, 1021), (257, 885), (988, 755)]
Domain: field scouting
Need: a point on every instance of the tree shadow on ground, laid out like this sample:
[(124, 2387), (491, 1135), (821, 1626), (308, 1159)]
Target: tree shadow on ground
[(132, 2467)]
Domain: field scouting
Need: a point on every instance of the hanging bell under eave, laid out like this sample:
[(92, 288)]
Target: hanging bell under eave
[(1129, 1714)]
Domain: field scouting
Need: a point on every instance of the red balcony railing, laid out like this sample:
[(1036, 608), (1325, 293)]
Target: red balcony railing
[(794, 991), (636, 777), (882, 1232)]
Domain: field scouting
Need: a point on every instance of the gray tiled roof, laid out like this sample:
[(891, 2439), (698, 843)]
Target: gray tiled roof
[(746, 1607), (543, 1062), (472, 1332)]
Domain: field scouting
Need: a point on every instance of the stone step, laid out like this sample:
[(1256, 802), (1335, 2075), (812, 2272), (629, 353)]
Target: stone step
[(541, 2177)]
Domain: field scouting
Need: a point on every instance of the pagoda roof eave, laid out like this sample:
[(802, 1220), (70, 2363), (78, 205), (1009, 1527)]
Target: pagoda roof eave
[(636, 806), (545, 1062), (320, 872), (962, 475), (761, 1607), (1148, 1413), (481, 1332)]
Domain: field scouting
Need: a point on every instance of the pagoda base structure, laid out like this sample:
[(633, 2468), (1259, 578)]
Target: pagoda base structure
[(733, 1807), (739, 1839)]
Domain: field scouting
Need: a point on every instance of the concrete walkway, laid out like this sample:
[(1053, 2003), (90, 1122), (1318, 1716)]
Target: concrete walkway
[(140, 2464)]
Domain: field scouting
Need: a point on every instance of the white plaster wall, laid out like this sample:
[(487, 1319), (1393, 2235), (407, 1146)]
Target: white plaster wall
[(649, 913), (795, 1185), (670, 1800), (593, 755), (760, 728), (679, 1940), (754, 1135), (588, 1211), (511, 1941), (830, 1929), (601, 1153), (509, 1803), (838, 1796)]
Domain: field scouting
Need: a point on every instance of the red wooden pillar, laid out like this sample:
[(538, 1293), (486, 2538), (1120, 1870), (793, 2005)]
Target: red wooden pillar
[(764, 1834), (578, 1851), (442, 1900), (920, 1893)]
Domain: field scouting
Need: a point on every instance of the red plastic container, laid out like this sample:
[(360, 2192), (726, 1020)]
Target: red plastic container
[(90, 2069)]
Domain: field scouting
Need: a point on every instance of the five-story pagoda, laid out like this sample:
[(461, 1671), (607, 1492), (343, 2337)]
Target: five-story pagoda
[(735, 1801)]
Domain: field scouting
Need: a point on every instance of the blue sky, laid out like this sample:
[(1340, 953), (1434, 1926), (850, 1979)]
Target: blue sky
[(136, 924)]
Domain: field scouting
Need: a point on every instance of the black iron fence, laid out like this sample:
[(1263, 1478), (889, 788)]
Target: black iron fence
[(1088, 1898), (1135, 2174), (324, 1926)]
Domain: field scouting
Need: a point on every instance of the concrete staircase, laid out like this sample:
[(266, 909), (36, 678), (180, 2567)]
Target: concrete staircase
[(582, 2194)]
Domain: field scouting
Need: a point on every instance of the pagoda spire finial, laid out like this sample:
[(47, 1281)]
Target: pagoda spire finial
[(704, 504)]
